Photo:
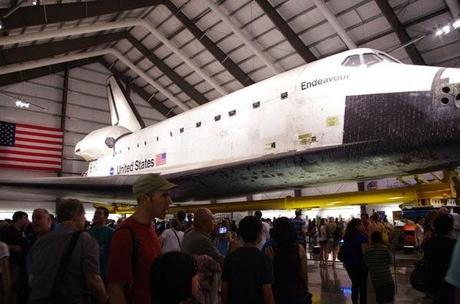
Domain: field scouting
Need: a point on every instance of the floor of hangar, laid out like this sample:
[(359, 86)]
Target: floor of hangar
[(332, 285)]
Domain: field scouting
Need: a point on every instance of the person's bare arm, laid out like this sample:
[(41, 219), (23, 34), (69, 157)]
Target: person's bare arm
[(96, 287), (6, 280), (267, 294), (224, 293), (116, 294)]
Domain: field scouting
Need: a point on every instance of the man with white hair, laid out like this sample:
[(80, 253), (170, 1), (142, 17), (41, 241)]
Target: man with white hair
[(41, 222)]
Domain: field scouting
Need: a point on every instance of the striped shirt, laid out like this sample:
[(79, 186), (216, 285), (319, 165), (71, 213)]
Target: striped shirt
[(378, 260)]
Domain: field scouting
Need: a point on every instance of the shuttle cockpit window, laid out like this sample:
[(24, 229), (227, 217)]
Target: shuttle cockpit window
[(367, 59), (371, 58), (352, 61)]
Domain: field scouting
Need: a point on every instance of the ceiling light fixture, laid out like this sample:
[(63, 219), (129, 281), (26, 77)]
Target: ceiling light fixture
[(446, 29), (21, 104), (456, 24)]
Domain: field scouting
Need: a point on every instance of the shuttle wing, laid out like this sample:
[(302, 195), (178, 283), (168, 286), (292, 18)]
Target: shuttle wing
[(294, 169), (226, 180)]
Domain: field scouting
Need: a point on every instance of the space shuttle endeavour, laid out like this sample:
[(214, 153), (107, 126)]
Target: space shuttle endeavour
[(357, 115)]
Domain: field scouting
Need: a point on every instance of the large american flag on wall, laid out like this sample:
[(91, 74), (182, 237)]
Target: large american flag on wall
[(24, 146)]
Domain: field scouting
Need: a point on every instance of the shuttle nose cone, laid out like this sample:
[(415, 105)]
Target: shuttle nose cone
[(77, 149)]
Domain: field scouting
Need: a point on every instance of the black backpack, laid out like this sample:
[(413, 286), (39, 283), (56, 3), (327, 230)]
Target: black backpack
[(420, 276)]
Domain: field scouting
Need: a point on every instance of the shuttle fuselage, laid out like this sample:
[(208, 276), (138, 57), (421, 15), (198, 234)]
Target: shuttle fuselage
[(352, 116)]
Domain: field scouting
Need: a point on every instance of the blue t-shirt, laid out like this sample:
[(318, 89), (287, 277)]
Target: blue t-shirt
[(353, 250), (453, 274)]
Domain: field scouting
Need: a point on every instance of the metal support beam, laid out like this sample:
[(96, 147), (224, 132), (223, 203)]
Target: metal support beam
[(400, 31), (112, 52), (163, 67), (286, 30), (40, 51), (250, 44), (223, 58), (39, 15), (16, 77), (334, 22), (65, 91), (62, 12), (156, 104), (111, 26), (454, 8), (369, 198)]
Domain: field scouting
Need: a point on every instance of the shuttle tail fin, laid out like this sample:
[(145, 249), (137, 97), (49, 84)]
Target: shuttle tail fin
[(122, 110)]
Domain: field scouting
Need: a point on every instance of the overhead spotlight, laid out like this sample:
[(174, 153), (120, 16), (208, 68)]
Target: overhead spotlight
[(446, 29), (439, 32), (456, 24), (36, 2), (1, 24)]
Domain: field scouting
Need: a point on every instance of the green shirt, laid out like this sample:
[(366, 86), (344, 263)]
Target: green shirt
[(103, 235)]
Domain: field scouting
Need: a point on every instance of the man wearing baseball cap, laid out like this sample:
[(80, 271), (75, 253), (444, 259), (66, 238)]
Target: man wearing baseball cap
[(135, 244)]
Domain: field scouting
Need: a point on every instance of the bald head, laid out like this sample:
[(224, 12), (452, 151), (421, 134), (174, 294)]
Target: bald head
[(203, 220)]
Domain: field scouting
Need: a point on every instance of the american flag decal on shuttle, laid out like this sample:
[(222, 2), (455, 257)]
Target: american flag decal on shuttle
[(160, 159)]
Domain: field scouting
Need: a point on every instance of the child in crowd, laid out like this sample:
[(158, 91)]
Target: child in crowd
[(378, 260), (247, 275)]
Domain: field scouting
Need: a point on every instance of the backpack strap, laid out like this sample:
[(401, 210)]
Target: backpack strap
[(134, 247), (177, 237), (65, 261)]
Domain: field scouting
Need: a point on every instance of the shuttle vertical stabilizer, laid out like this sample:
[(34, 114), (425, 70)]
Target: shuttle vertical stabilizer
[(123, 113)]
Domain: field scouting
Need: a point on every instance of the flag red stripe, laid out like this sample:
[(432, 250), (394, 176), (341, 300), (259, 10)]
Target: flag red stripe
[(30, 168), (37, 134), (30, 160), (38, 127), (39, 140), (37, 148), (30, 153)]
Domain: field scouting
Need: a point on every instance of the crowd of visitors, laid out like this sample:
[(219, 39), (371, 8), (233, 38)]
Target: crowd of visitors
[(193, 259)]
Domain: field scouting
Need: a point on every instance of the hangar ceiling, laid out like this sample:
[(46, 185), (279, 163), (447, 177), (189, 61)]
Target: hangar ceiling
[(178, 54), (228, 44)]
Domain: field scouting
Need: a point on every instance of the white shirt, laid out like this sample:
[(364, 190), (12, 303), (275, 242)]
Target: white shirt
[(265, 235), (170, 241), (265, 231)]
